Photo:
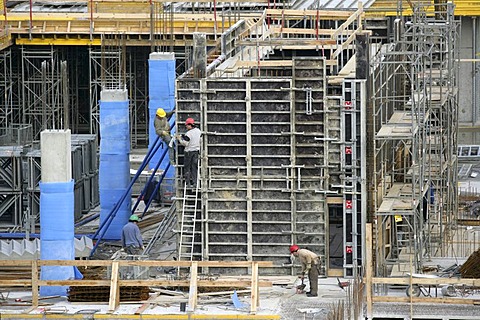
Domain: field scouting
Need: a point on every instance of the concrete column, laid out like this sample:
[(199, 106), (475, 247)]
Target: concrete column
[(56, 155), (56, 208)]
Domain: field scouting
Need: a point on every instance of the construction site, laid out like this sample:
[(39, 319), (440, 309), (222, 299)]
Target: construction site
[(348, 128)]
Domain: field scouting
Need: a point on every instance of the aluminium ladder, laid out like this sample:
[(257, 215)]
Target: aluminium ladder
[(188, 220)]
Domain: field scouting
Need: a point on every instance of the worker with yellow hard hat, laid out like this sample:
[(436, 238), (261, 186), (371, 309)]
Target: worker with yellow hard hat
[(162, 128)]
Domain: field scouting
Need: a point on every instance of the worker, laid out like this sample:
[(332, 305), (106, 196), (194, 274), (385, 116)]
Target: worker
[(132, 241), (162, 129), (310, 266), (191, 142)]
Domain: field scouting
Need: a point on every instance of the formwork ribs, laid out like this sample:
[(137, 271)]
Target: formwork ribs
[(102, 294)]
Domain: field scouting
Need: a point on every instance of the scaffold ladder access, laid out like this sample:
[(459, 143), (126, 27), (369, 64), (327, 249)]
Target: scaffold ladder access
[(188, 221)]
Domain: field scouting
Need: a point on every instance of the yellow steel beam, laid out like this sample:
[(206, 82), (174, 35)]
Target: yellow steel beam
[(59, 42), (389, 8)]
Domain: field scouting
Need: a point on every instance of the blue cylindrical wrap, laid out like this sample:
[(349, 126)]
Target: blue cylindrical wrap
[(56, 233), (162, 95), (114, 168), (57, 210)]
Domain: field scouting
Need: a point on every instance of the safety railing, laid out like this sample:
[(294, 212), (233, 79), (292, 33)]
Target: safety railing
[(115, 283)]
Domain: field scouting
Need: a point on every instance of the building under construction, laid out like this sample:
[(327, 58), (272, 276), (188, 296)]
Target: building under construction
[(317, 118)]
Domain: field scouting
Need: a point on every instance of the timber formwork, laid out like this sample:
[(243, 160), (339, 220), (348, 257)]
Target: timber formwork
[(415, 116)]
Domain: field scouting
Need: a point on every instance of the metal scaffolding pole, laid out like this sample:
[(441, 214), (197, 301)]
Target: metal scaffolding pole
[(415, 126), (42, 90)]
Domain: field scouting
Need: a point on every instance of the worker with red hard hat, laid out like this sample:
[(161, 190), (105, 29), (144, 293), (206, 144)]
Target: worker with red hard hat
[(191, 141), (310, 265)]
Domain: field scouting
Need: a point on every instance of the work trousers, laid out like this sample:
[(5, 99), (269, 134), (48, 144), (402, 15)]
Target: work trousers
[(131, 249), (171, 151), (191, 167), (313, 278)]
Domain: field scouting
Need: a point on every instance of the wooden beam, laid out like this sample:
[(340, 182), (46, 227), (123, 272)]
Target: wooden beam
[(309, 31), (263, 63), (255, 295), (114, 299), (186, 283), (146, 304), (287, 42), (15, 283), (142, 263), (441, 300), (192, 294), (428, 281), (369, 269), (322, 14), (34, 283), (85, 283)]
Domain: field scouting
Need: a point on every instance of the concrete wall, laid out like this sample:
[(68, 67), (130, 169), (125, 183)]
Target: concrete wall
[(469, 82)]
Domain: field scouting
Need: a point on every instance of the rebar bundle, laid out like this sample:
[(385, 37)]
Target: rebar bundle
[(102, 294)]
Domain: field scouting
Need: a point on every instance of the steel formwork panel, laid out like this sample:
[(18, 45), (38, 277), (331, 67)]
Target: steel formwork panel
[(255, 200)]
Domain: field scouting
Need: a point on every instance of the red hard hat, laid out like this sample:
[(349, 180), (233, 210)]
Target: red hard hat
[(293, 248), (189, 121)]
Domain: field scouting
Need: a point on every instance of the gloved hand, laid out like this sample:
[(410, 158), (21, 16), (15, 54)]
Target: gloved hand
[(165, 133)]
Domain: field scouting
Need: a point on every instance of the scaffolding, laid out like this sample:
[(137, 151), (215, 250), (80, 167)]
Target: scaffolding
[(42, 88), (415, 144)]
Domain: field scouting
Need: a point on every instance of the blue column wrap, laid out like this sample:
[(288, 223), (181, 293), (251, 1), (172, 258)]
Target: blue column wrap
[(57, 233), (114, 167), (162, 95)]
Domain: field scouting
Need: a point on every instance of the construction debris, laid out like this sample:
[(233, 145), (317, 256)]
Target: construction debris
[(471, 267)]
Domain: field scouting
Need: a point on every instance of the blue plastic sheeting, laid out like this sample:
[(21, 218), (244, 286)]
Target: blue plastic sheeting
[(56, 250), (162, 95), (114, 168), (23, 235), (57, 210), (57, 232), (236, 302), (114, 127)]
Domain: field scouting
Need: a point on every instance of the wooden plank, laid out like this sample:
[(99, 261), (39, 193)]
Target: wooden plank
[(368, 269), (287, 42), (114, 299), (134, 283), (255, 295), (264, 63), (83, 283), (186, 283), (442, 300), (142, 263), (192, 294), (146, 304), (34, 283), (15, 283), (221, 293), (309, 31), (322, 14), (427, 281)]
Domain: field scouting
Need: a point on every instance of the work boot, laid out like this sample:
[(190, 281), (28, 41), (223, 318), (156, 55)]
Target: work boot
[(311, 295)]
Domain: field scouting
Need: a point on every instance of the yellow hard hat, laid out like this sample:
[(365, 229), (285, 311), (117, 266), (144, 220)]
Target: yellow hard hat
[(161, 113)]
